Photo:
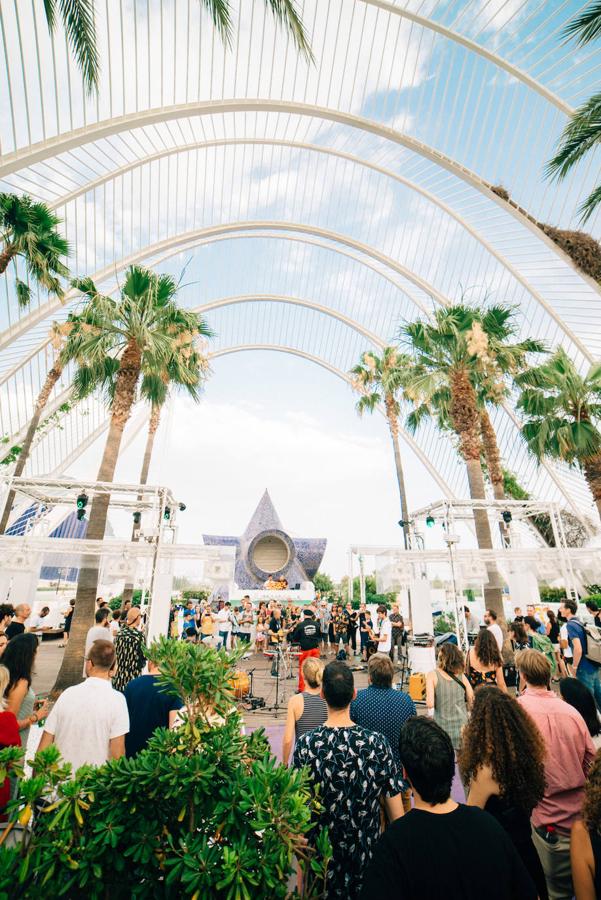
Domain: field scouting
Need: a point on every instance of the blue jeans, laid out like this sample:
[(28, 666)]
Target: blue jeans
[(592, 680), (223, 636)]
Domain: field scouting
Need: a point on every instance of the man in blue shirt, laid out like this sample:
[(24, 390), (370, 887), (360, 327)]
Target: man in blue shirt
[(380, 708), (589, 673), (150, 707)]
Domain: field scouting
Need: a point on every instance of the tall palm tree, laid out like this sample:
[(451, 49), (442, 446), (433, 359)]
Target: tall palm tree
[(378, 379), (583, 132), (141, 329), (79, 23), (562, 411), (460, 360), (188, 372), (29, 231)]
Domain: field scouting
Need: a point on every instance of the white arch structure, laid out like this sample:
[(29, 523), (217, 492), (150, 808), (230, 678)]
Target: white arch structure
[(170, 93)]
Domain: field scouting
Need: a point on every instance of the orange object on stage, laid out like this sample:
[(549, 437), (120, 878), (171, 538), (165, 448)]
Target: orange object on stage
[(240, 684)]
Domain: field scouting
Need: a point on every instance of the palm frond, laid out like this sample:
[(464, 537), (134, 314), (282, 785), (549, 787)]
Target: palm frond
[(287, 15), (23, 293), (80, 28), (221, 15), (580, 135), (590, 204), (587, 26)]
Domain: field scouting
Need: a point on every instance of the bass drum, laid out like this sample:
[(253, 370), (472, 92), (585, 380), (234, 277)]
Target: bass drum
[(240, 684)]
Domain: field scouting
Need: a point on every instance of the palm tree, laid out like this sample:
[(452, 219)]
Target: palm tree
[(562, 410), (79, 22), (378, 379), (460, 360), (29, 231), (141, 329), (188, 372), (583, 132)]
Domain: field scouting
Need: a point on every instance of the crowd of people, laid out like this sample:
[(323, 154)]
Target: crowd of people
[(491, 789)]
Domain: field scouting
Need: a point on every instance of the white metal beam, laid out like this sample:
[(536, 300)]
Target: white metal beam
[(349, 157)]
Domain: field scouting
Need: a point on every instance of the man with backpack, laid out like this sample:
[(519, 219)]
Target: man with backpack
[(586, 669)]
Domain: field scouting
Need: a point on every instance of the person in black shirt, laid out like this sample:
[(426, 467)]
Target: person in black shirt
[(307, 635), (474, 855), (592, 607), (17, 626), (277, 633)]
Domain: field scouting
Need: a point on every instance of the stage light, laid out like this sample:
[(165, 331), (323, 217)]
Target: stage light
[(430, 521), (82, 502), (137, 518), (182, 507), (507, 517), (402, 523), (167, 513)]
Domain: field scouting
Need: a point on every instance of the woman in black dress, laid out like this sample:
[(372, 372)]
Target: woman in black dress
[(501, 762)]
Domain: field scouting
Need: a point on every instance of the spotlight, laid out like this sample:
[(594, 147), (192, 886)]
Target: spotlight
[(507, 517), (430, 520), (82, 502), (137, 518), (167, 513), (182, 507)]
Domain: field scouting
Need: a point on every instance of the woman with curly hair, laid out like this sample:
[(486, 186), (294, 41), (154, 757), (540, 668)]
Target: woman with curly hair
[(501, 762), (483, 663), (585, 842)]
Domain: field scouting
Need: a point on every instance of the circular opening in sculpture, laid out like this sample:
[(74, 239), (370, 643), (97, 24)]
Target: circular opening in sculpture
[(270, 554)]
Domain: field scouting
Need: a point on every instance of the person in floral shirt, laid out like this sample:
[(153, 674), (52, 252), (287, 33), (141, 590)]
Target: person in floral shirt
[(353, 768), (129, 648)]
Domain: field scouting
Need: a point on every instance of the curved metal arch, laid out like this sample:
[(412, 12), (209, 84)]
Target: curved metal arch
[(292, 301), (178, 242), (494, 58), (349, 157), (280, 348), (42, 150)]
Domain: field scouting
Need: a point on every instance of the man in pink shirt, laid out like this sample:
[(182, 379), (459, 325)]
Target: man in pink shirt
[(569, 754)]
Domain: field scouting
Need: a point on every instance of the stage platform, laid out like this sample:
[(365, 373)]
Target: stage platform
[(300, 597)]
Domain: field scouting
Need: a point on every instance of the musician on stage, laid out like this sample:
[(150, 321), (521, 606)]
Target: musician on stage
[(307, 635)]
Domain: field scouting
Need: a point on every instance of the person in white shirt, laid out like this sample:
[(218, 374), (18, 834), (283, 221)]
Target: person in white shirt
[(224, 625), (490, 617), (114, 623), (384, 636), (41, 622), (89, 721), (98, 632)]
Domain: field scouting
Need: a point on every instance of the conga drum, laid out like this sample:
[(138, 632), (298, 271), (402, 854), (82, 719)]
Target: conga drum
[(240, 684)]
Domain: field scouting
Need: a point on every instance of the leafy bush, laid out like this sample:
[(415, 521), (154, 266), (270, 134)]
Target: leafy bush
[(136, 599), (551, 594), (196, 594), (204, 812), (444, 622)]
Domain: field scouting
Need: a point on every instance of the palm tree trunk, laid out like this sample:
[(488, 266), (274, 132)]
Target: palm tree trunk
[(592, 472), (466, 423), (51, 379), (6, 256), (493, 463), (394, 433), (153, 425), (87, 584)]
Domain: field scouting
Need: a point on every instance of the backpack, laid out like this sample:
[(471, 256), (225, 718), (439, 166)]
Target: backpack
[(341, 655), (592, 635)]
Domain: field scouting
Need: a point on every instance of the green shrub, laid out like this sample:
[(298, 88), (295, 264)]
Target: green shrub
[(203, 812), (551, 594), (443, 623)]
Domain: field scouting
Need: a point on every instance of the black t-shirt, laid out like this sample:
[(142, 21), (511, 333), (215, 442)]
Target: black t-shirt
[(149, 706), (306, 634), (475, 858), (14, 629)]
